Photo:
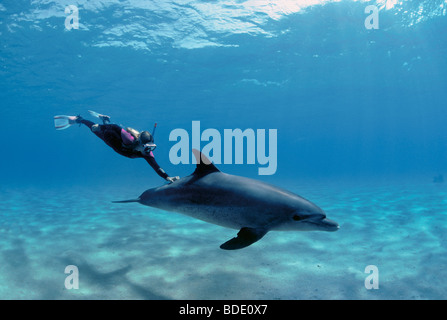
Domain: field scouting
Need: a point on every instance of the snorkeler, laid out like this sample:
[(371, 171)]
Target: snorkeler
[(127, 142)]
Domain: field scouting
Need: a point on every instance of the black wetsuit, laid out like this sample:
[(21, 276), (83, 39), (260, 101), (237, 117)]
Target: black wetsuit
[(111, 135)]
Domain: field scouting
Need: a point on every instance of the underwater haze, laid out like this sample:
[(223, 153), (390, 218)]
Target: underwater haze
[(358, 99)]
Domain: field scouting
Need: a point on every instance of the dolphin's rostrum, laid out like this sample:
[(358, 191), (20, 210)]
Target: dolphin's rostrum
[(248, 205)]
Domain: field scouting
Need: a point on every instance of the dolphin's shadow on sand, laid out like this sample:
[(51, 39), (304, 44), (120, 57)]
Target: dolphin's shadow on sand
[(109, 279)]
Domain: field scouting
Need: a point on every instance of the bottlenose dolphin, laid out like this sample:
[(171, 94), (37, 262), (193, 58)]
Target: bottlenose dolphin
[(236, 202)]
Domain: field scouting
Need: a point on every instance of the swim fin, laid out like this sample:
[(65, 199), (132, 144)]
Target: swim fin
[(64, 122), (105, 119)]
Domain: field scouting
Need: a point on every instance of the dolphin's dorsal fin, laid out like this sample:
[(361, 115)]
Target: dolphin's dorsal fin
[(204, 165)]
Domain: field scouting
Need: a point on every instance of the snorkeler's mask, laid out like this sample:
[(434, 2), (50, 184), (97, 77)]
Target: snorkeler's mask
[(146, 142), (148, 147)]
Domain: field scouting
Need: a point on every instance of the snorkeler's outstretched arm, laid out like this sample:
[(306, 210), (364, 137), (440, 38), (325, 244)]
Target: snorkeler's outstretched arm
[(151, 160)]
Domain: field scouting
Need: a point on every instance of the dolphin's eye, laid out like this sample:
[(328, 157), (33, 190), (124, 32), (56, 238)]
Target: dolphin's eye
[(297, 218)]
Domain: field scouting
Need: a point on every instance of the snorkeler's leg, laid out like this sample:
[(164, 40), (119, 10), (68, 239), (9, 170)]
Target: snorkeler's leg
[(105, 119), (94, 127), (112, 136), (88, 123), (109, 133)]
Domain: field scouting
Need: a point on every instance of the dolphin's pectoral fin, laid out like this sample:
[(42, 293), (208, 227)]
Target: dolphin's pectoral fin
[(245, 237)]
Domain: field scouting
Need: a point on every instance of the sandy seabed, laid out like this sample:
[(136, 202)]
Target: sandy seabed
[(129, 251)]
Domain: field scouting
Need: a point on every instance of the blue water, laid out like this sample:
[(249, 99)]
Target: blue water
[(361, 123)]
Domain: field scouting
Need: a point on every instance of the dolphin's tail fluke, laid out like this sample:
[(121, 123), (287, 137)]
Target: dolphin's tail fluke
[(127, 201)]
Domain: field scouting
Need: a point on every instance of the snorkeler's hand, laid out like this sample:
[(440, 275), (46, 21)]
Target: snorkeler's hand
[(172, 179)]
